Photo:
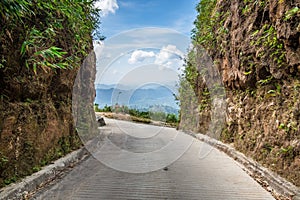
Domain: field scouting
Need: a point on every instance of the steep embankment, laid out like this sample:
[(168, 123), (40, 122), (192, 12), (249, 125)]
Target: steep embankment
[(43, 44), (255, 45)]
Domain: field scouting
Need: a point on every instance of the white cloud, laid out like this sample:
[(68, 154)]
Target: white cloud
[(107, 6), (120, 48), (139, 56), (127, 4), (98, 47), (144, 38), (169, 57)]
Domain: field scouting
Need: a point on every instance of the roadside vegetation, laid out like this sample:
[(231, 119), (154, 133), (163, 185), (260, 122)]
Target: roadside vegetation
[(140, 116)]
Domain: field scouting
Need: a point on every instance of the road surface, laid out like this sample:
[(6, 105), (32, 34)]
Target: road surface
[(138, 161)]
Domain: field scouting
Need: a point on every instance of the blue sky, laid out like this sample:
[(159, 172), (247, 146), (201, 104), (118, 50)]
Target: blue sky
[(121, 15), (141, 34)]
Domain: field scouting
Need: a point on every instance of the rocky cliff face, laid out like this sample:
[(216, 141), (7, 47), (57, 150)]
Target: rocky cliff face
[(255, 45), (34, 131), (41, 54)]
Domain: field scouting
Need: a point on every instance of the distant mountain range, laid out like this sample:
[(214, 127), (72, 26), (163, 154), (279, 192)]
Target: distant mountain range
[(171, 85), (145, 98)]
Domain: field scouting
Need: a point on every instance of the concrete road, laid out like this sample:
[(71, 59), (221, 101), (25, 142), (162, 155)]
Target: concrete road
[(138, 161)]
